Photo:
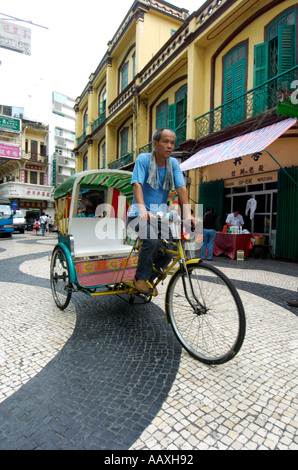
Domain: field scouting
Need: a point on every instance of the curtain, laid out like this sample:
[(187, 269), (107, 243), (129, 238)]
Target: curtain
[(212, 194)]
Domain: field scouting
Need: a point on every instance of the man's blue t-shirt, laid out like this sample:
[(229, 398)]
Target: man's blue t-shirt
[(155, 199)]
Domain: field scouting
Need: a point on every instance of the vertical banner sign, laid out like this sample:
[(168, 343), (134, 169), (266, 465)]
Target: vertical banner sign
[(54, 170), (15, 38)]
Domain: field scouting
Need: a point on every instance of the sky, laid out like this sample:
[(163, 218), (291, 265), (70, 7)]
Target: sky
[(66, 48)]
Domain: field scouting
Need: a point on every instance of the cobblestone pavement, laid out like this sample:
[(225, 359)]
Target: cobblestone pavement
[(107, 375)]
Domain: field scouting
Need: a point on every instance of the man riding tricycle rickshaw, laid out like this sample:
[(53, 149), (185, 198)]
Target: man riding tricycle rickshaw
[(117, 236)]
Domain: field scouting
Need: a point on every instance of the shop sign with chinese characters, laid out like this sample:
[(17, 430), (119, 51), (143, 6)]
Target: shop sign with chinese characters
[(250, 171), (15, 37), (25, 191), (8, 151), (33, 205), (10, 124)]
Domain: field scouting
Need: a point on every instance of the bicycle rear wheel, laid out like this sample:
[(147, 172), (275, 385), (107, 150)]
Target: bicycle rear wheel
[(206, 313), (59, 278)]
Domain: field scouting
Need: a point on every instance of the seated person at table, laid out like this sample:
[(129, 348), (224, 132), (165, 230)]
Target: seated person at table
[(235, 219)]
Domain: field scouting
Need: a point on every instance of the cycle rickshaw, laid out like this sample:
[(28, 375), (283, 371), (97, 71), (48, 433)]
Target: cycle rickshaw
[(95, 255)]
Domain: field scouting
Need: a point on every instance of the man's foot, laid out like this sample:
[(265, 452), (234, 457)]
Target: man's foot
[(142, 286)]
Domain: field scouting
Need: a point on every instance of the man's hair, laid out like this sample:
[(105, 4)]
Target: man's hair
[(157, 133)]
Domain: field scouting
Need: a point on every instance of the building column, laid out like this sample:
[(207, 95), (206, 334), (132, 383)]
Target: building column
[(111, 144), (141, 124), (92, 155), (196, 86), (92, 108)]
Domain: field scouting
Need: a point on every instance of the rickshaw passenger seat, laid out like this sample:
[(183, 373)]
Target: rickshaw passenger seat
[(95, 236)]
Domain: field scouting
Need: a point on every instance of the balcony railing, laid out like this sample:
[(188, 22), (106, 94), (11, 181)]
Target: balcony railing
[(180, 137), (81, 139), (249, 104), (98, 121), (34, 157), (122, 161), (146, 148)]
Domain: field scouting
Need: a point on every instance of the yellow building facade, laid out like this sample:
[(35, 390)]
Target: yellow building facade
[(24, 179), (211, 76)]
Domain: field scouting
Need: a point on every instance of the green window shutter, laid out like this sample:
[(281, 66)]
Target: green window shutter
[(181, 111), (286, 47), (261, 63), (234, 74), (134, 65), (234, 86), (85, 122), (172, 117), (102, 107), (161, 115), (102, 110), (234, 81), (239, 78), (124, 77), (228, 85), (124, 142)]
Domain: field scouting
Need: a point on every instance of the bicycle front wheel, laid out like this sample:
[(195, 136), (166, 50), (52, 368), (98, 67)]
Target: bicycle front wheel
[(206, 313)]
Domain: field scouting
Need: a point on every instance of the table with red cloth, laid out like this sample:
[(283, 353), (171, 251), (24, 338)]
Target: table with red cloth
[(229, 243)]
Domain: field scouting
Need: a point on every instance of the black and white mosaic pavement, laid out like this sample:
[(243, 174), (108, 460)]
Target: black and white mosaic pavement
[(108, 375)]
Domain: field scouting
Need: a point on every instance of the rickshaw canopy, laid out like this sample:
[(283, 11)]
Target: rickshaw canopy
[(97, 179)]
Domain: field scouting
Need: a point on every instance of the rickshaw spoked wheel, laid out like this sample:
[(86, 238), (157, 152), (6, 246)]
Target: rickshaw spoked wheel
[(60, 284)]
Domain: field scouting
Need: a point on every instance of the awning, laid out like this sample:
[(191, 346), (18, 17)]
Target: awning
[(239, 146)]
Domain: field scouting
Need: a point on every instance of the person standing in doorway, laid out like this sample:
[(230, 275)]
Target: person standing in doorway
[(209, 233)]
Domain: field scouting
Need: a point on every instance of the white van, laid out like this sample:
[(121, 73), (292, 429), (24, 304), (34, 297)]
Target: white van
[(19, 223)]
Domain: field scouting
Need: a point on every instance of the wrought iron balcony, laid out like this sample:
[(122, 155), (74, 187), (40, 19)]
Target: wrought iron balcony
[(146, 148), (255, 101), (122, 161), (98, 121), (180, 134), (81, 139)]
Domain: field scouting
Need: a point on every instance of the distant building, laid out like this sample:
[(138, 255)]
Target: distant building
[(61, 138), (34, 158), (24, 162)]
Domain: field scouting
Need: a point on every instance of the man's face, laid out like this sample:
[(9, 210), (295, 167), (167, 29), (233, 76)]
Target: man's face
[(236, 213), (166, 144)]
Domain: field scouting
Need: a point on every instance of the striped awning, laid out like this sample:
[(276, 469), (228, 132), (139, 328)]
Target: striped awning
[(239, 146)]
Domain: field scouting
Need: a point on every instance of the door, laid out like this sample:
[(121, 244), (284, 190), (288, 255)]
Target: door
[(34, 150)]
